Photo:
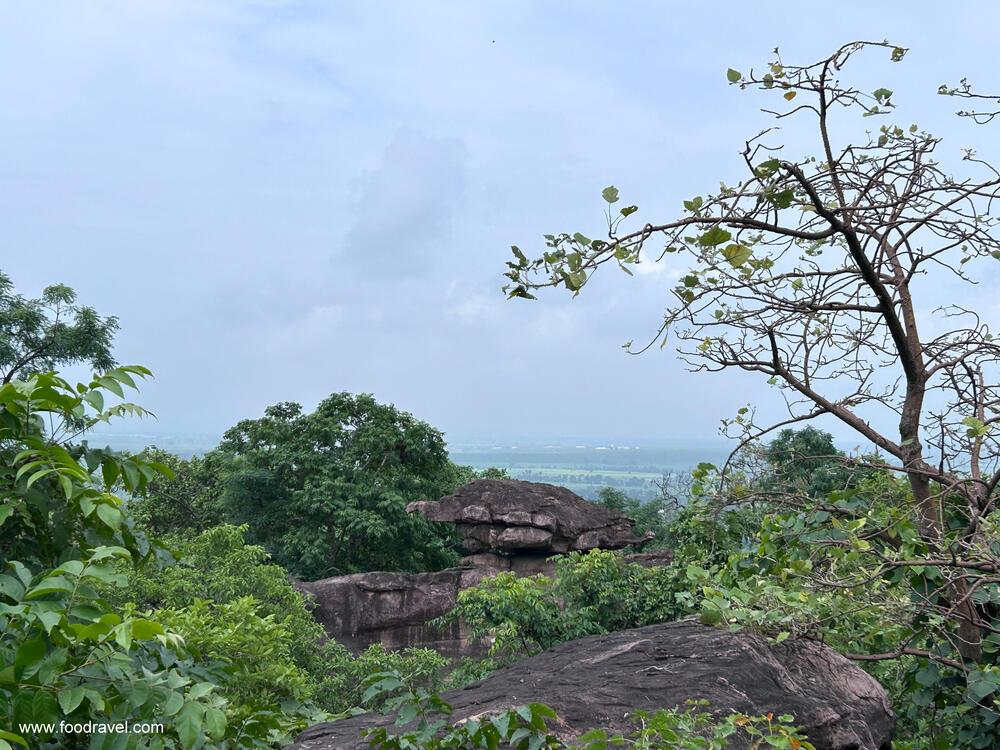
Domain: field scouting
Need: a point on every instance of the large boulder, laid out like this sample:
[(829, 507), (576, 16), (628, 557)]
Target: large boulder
[(514, 516), (598, 681), (394, 609)]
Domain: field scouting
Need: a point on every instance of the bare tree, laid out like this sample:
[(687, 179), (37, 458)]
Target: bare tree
[(819, 274)]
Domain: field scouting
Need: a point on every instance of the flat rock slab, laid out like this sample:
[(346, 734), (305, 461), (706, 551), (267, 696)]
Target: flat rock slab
[(514, 516), (596, 682)]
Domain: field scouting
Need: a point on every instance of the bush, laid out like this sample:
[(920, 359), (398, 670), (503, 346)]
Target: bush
[(66, 652), (591, 593), (219, 567), (342, 684)]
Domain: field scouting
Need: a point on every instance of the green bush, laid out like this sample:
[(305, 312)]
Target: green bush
[(341, 686), (236, 607), (591, 593), (65, 652), (219, 567), (254, 648)]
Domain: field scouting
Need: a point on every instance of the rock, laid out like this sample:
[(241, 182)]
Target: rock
[(394, 608), (597, 681), (511, 515)]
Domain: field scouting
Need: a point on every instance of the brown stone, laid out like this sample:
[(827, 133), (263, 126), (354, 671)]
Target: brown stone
[(512, 515), (600, 681)]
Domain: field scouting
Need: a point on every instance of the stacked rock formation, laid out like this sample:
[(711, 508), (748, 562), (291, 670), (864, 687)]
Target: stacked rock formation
[(517, 517)]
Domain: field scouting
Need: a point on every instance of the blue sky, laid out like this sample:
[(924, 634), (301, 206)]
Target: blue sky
[(286, 199)]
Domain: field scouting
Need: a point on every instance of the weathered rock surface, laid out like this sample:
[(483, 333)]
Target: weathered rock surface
[(596, 682), (394, 608), (516, 516)]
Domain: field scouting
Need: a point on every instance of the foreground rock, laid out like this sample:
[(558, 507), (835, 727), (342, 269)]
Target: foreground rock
[(596, 682), (514, 516)]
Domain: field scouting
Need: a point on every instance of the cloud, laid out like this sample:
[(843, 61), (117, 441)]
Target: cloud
[(406, 208)]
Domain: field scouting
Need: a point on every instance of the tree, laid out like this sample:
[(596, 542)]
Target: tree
[(816, 274), (326, 492), (190, 499), (806, 461), (37, 335), (651, 515)]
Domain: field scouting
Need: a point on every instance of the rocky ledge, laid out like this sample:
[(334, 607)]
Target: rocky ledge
[(598, 681)]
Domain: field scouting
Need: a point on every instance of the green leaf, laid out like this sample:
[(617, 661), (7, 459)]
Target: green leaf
[(789, 95), (929, 675), (714, 236), (710, 617), (882, 95), (29, 656), (5, 511), (733, 75), (975, 427), (172, 704), (188, 723), (144, 630), (52, 584), (110, 515), (200, 690), (5, 735), (767, 168), (737, 255), (70, 698), (215, 723), (109, 472), (610, 194)]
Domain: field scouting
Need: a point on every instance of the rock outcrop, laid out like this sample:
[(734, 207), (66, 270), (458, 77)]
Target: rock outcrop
[(514, 516), (394, 609), (509, 525), (597, 681)]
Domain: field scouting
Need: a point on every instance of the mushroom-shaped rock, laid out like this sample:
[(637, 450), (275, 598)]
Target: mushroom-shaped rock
[(512, 515), (601, 681)]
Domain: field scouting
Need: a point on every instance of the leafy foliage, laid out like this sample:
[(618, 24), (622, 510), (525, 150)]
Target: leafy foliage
[(189, 499), (596, 592), (346, 677), (806, 461), (651, 515), (234, 606), (64, 652), (326, 492), (38, 335)]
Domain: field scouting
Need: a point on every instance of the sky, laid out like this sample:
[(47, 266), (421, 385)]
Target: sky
[(281, 200)]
